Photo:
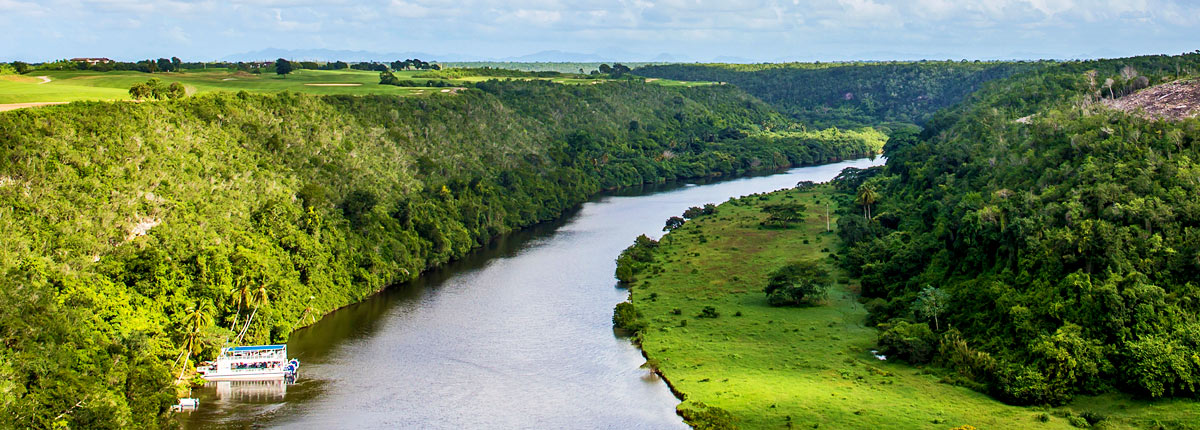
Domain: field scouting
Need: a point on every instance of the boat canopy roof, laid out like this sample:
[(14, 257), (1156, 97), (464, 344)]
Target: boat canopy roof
[(256, 348)]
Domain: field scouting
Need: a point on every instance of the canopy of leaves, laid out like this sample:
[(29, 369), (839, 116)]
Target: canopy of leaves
[(1065, 235), (801, 283)]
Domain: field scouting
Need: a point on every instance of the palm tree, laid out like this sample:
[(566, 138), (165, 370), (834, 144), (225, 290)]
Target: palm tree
[(258, 298), (194, 322), (241, 297), (867, 197)]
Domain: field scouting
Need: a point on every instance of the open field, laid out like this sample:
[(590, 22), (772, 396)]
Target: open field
[(812, 367), (74, 85)]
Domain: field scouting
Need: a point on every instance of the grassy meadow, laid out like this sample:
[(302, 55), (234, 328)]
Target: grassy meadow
[(813, 367), (66, 86)]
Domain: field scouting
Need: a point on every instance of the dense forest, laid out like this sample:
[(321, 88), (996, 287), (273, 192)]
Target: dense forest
[(1037, 243), (135, 237), (851, 95)]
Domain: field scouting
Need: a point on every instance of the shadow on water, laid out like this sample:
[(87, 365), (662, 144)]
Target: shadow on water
[(361, 320)]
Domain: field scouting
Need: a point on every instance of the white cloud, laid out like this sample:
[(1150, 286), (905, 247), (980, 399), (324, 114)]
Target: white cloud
[(698, 29)]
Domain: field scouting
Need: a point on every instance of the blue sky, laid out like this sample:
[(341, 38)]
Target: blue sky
[(686, 30)]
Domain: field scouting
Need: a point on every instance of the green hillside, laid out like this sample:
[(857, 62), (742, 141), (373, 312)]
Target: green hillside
[(1064, 236), (126, 228), (851, 94)]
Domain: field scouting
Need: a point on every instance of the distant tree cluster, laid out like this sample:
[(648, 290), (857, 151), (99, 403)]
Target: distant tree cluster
[(370, 66), (386, 77), (414, 64), (155, 90), (616, 70)]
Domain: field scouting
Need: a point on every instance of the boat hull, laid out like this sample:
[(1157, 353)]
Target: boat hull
[(245, 376)]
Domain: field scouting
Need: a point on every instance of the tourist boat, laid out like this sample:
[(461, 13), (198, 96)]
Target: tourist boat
[(249, 363)]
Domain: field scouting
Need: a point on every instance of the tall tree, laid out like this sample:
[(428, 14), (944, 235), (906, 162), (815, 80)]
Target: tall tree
[(194, 323), (931, 303), (867, 197), (258, 298), (283, 67)]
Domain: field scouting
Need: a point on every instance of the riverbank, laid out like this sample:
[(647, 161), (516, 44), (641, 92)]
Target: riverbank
[(770, 367)]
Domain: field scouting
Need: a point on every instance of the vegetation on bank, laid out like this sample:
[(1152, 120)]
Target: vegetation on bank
[(136, 237), (699, 310), (851, 95), (1063, 235)]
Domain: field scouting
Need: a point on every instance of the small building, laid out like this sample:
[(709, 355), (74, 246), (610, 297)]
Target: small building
[(92, 61)]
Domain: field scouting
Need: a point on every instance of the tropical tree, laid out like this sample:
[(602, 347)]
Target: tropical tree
[(258, 298), (931, 303), (194, 323), (241, 298), (867, 197)]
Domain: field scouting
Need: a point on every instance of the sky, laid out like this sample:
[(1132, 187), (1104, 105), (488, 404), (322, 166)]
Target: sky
[(631, 30)]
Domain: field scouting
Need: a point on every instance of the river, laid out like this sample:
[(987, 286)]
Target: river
[(517, 335)]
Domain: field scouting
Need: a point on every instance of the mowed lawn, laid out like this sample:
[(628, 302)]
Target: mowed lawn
[(87, 85), (777, 368)]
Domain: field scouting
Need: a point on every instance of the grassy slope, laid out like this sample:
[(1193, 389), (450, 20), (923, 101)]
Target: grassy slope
[(810, 364), (74, 85)]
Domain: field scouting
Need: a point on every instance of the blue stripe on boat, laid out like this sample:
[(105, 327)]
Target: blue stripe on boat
[(257, 348)]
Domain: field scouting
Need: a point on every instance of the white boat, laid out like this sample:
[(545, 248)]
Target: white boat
[(187, 404), (251, 363)]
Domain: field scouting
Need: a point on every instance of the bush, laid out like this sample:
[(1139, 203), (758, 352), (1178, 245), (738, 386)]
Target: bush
[(703, 417), (708, 312), (914, 343), (625, 317), (624, 272)]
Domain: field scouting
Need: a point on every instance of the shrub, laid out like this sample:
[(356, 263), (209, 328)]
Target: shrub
[(625, 317), (708, 312), (914, 343), (703, 417)]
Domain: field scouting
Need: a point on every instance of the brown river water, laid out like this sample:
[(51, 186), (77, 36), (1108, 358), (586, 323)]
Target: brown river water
[(518, 335)]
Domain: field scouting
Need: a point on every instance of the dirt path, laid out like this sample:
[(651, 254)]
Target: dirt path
[(12, 106), (45, 79)]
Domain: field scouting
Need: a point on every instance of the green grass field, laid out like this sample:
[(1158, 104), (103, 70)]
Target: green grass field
[(73, 86), (775, 368)]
